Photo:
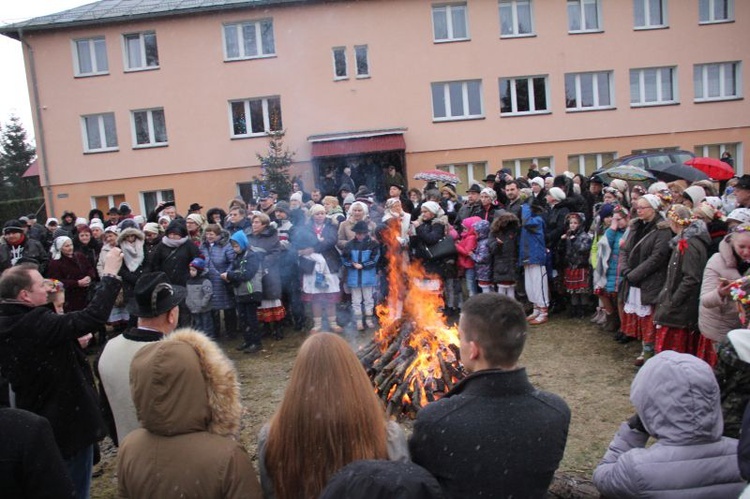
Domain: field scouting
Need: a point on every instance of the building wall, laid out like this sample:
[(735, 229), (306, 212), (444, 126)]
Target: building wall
[(194, 84)]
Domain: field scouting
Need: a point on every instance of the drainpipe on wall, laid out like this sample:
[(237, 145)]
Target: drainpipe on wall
[(41, 146)]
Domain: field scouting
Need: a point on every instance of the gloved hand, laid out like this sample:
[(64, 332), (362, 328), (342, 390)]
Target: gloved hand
[(635, 423)]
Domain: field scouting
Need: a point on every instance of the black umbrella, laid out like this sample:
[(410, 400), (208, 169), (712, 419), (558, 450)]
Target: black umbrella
[(669, 172)]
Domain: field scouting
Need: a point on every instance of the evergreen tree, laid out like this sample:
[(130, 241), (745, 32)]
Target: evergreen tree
[(16, 155), (276, 165)]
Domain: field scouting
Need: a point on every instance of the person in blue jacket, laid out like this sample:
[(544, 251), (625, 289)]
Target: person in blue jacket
[(360, 257), (532, 255)]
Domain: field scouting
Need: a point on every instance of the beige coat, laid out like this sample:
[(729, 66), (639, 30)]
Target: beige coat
[(716, 315), (187, 398)]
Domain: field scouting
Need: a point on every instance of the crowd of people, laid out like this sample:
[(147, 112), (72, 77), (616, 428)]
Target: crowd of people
[(663, 264)]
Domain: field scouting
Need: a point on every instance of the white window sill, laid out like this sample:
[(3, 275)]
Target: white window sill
[(139, 70), (585, 31), (452, 40), (650, 28), (363, 77), (717, 99), (523, 35), (719, 21), (249, 58), (457, 118), (524, 113), (252, 136), (636, 105), (90, 75), (340, 78), (100, 151), (150, 146), (589, 109)]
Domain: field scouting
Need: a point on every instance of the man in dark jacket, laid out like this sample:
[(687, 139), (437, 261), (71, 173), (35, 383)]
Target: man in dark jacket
[(41, 357), (494, 434), (16, 247)]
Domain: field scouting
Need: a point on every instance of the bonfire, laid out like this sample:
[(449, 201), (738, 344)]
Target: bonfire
[(414, 357)]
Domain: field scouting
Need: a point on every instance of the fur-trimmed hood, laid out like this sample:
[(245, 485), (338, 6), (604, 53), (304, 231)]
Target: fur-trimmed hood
[(185, 384), (505, 221), (130, 231)]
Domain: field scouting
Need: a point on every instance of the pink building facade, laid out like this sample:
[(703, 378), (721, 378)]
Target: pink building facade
[(143, 106)]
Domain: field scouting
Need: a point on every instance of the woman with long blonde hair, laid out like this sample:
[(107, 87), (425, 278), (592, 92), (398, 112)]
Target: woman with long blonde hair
[(329, 417)]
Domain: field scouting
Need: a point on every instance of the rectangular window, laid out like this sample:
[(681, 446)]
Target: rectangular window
[(141, 51), (715, 11), (249, 40), (255, 117), (149, 128), (585, 164), (583, 16), (525, 95), (516, 18), (99, 132), (449, 23), (90, 56), (151, 198), (653, 86), (457, 100), (340, 71), (363, 62), (588, 91), (649, 14), (468, 173), (729, 153), (720, 81), (520, 167)]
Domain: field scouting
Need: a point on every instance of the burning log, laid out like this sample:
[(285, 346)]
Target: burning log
[(414, 358)]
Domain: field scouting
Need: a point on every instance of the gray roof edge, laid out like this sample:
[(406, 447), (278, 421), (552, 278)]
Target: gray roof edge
[(15, 30)]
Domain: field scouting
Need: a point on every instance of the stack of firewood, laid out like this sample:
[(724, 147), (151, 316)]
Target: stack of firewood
[(391, 363)]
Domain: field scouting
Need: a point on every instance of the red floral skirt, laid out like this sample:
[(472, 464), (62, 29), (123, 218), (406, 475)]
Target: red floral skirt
[(677, 339), (640, 328), (577, 280), (705, 350), (272, 314)]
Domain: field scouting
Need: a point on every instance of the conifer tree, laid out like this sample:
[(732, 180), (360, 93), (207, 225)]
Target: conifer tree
[(16, 155), (276, 165)]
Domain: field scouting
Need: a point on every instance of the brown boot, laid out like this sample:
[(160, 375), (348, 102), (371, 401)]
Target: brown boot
[(612, 324)]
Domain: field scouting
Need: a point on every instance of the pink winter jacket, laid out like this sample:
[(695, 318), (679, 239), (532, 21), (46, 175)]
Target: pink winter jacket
[(467, 244), (717, 316)]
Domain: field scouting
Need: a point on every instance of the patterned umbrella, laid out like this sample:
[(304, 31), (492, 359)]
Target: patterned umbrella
[(714, 168), (628, 173), (437, 176)]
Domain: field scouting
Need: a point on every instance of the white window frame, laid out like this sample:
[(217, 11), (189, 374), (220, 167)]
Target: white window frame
[(451, 168), (639, 100), (151, 129), (160, 198), (91, 42), (710, 6), (513, 95), (599, 158), (594, 91), (704, 68), (582, 19), (142, 48), (465, 101), (237, 26), (447, 8), (358, 51), (102, 133), (647, 22), (514, 5), (248, 123), (518, 164), (342, 51)]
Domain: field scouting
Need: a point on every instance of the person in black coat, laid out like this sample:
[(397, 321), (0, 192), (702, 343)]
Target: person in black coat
[(494, 434), (173, 256), (16, 247), (30, 462), (381, 479), (41, 357)]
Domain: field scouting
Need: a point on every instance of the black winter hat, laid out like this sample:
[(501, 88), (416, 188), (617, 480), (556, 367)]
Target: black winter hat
[(154, 295), (361, 227), (177, 226), (13, 226)]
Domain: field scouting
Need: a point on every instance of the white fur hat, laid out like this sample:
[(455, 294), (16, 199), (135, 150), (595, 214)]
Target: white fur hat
[(538, 181), (557, 194)]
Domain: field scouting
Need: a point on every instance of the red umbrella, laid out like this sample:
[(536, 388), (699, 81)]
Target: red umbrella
[(714, 168)]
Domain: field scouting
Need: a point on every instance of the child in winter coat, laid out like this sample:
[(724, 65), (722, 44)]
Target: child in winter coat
[(577, 268), (465, 247), (360, 256), (245, 275), (503, 246), (482, 256), (198, 300)]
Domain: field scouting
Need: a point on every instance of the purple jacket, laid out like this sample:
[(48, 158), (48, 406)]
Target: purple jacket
[(677, 399)]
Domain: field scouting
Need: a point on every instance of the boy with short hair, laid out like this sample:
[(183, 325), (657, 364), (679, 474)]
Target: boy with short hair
[(198, 300), (360, 257)]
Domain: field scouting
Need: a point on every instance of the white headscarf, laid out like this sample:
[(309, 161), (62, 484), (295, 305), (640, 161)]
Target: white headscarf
[(57, 246), (361, 205), (432, 207)]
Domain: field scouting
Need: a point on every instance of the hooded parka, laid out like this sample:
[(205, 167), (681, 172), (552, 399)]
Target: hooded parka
[(187, 398)]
